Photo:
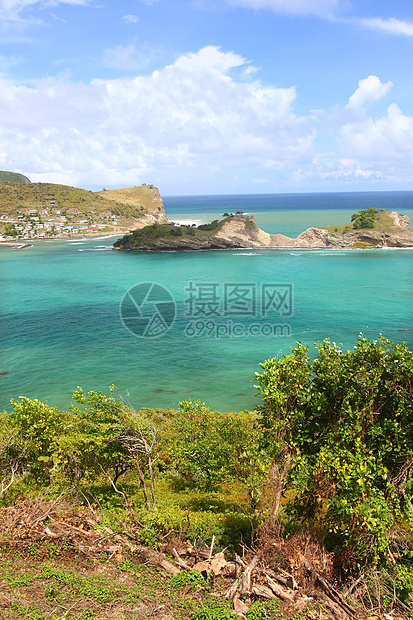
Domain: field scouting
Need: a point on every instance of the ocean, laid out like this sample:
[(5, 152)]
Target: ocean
[(170, 326)]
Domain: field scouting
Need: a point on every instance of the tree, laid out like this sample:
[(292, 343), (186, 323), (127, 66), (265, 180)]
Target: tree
[(10, 230), (92, 444), (343, 425), (37, 426), (209, 448), (12, 453), (109, 437), (284, 386)]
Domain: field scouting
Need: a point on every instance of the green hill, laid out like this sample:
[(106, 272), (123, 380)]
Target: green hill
[(14, 177), (124, 208), (367, 219)]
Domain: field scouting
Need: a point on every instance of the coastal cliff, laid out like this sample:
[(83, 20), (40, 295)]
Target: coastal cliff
[(389, 229)]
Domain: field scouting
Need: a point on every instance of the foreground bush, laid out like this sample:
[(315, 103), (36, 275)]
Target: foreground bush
[(340, 428)]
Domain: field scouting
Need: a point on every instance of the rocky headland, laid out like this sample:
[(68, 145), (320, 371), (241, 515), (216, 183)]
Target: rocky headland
[(388, 229)]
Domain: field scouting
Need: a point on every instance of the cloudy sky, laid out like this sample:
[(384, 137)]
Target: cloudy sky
[(209, 96)]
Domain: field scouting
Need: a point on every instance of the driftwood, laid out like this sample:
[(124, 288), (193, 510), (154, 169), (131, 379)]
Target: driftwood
[(232, 591)]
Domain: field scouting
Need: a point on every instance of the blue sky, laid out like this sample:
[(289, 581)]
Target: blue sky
[(209, 96)]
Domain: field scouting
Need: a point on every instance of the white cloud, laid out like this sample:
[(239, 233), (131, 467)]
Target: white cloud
[(391, 25), (369, 89), (198, 124), (389, 138), (133, 19), (295, 7), (350, 171), (184, 119), (126, 57), (11, 10), (7, 62)]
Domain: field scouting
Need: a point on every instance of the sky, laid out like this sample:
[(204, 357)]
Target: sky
[(209, 96)]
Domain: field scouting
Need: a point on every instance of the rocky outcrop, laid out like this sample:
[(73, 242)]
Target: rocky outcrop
[(399, 235), (241, 231)]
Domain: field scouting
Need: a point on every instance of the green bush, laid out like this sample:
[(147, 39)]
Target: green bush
[(340, 428)]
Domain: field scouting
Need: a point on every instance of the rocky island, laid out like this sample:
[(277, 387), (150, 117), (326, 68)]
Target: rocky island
[(371, 228)]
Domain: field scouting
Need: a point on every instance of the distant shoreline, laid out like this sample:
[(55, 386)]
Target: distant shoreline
[(102, 235)]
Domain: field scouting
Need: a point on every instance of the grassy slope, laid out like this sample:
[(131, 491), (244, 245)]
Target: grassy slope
[(382, 222), (80, 202), (140, 196)]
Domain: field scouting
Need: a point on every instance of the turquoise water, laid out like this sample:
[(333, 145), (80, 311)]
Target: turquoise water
[(61, 326)]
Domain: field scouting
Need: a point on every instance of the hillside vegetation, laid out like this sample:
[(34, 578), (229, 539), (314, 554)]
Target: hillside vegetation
[(366, 219), (14, 196), (310, 495), (13, 177), (155, 233), (141, 196), (117, 209)]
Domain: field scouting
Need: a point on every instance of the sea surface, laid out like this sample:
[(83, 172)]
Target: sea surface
[(73, 312)]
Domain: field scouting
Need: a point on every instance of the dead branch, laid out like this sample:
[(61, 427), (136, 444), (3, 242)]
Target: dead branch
[(262, 591), (232, 590), (277, 476), (245, 583), (212, 547), (7, 484), (328, 589), (181, 563), (279, 591), (170, 568), (282, 577)]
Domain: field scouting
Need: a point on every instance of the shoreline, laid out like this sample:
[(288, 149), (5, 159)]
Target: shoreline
[(97, 236)]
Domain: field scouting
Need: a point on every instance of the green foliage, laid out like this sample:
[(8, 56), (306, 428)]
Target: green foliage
[(108, 437), (10, 230), (214, 610), (265, 610), (36, 427), (214, 225), (155, 232), (365, 218), (192, 578), (93, 443), (347, 421), (90, 587), (208, 448)]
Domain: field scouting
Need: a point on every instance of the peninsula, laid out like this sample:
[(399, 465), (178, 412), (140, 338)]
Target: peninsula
[(371, 228)]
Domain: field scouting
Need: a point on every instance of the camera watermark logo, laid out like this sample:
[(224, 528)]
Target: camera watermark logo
[(211, 309), (147, 310)]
